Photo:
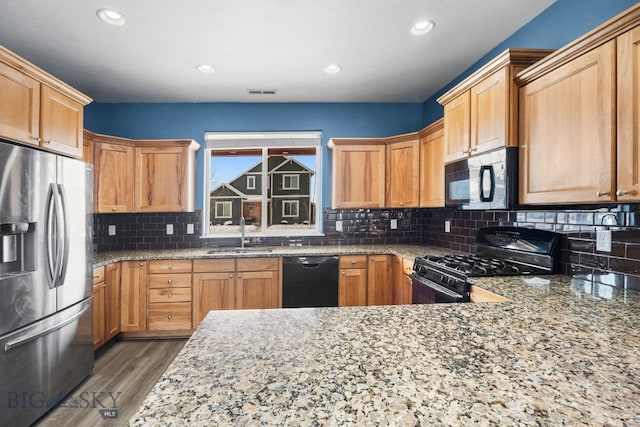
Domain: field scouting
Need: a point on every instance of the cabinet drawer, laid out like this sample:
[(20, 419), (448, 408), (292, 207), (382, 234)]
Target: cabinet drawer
[(353, 261), (214, 265), (258, 264), (98, 275), (170, 266), (170, 295), (169, 316), (178, 280)]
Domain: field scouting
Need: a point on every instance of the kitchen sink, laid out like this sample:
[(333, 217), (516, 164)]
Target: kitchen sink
[(239, 250)]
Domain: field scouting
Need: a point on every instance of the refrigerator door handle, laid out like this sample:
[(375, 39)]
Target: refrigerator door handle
[(27, 338), (63, 236), (50, 235)]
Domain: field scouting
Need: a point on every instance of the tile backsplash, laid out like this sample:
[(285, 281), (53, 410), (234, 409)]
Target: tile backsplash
[(578, 226)]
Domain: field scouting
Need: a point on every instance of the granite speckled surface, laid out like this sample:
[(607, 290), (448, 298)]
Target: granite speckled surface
[(407, 251), (562, 352)]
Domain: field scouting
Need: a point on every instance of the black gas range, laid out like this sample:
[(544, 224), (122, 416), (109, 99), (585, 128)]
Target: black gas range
[(500, 251)]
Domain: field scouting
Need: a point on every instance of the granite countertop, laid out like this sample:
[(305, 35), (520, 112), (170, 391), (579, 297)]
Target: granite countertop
[(562, 352), (407, 251)]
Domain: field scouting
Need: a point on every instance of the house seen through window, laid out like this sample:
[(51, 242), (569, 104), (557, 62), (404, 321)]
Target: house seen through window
[(269, 179)]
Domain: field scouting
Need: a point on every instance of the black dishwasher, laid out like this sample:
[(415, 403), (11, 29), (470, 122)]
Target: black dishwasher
[(310, 281)]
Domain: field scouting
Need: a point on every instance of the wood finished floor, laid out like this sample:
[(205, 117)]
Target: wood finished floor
[(130, 368)]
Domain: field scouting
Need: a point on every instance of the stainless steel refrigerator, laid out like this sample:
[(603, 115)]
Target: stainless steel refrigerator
[(46, 257)]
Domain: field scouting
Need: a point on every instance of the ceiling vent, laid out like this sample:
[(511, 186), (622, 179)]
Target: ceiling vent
[(262, 91)]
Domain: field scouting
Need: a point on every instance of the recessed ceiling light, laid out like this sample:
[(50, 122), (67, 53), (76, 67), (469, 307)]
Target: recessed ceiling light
[(110, 16), (422, 27), (205, 68), (332, 69)]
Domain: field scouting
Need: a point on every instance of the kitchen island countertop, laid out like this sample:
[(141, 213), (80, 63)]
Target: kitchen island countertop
[(563, 351)]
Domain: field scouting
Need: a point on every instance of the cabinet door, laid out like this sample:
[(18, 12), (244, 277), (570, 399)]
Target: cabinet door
[(257, 289), (112, 301), (212, 291), (457, 124), (98, 315), (133, 296), (403, 172), (113, 178), (432, 170), (61, 121), (379, 280), (489, 113), (352, 287), (628, 171), (567, 132), (19, 106), (359, 176), (161, 182)]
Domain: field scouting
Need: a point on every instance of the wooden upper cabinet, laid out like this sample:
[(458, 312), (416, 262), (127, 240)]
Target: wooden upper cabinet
[(457, 128), (165, 176), (113, 176), (567, 141), (358, 173), (38, 109), (481, 112), (403, 171), (19, 106), (628, 167), (431, 180), (61, 123)]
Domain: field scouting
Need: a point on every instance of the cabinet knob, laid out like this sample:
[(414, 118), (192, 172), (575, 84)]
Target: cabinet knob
[(353, 262), (465, 152), (113, 209), (231, 276), (47, 141), (169, 317), (240, 275), (169, 296), (104, 285), (97, 276), (169, 281), (473, 150), (142, 264), (373, 259), (36, 138), (602, 193), (170, 266), (621, 192), (182, 207), (344, 273)]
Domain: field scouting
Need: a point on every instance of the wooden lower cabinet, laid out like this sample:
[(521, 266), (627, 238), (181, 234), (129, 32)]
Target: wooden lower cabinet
[(379, 280), (365, 280), (234, 284), (106, 304), (133, 296), (169, 295), (402, 289)]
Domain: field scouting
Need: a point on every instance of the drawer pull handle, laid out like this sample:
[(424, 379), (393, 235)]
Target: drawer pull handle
[(169, 266), (36, 139), (621, 193), (113, 209), (169, 317), (353, 262), (169, 281), (602, 193), (169, 296)]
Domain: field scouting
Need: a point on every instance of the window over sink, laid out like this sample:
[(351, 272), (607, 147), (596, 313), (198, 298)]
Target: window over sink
[(269, 179)]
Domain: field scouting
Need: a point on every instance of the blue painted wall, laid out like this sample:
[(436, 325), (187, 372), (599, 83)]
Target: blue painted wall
[(191, 121), (561, 23)]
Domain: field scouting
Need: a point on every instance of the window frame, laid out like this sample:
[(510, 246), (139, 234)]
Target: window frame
[(251, 178), (265, 141), (223, 203), (295, 203), (291, 175)]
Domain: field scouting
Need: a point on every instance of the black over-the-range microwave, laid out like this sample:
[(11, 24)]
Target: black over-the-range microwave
[(484, 181)]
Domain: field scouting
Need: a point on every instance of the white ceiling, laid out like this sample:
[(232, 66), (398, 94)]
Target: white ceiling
[(259, 44)]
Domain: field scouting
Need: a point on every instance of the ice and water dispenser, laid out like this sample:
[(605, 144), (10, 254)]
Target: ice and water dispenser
[(17, 248)]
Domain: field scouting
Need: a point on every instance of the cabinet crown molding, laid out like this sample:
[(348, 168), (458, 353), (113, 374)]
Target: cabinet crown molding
[(515, 58), (37, 73), (600, 35)]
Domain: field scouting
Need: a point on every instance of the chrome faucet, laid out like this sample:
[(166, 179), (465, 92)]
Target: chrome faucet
[(242, 224)]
